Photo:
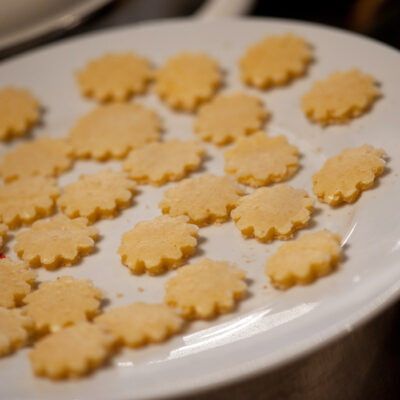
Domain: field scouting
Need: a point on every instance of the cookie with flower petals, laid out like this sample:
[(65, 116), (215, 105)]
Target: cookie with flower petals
[(65, 301), (158, 244), (229, 117), (205, 289), (97, 196), (303, 260), (140, 323), (16, 281), (343, 177), (260, 160), (187, 80), (273, 212), (275, 60), (44, 156), (73, 352), (340, 97), (111, 130), (115, 76), (56, 242), (15, 329), (27, 199), (158, 163), (19, 111), (205, 200)]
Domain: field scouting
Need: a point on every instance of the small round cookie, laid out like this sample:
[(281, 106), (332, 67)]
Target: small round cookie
[(3, 235), (343, 177), (75, 351), (27, 199), (158, 163), (137, 324), (274, 212), (159, 244), (15, 329), (260, 160), (205, 200), (340, 97), (97, 196), (112, 130), (65, 301), (229, 117), (56, 242), (115, 76), (275, 60), (205, 289), (19, 111), (43, 156), (16, 281), (304, 260), (188, 79)]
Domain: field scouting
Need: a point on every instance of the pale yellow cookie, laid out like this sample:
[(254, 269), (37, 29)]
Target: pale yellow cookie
[(16, 281), (188, 79), (260, 160), (15, 329), (43, 156), (158, 163), (72, 352), (158, 244), (229, 117), (205, 200), (275, 60), (27, 199), (343, 177), (65, 301), (112, 130), (139, 323), (205, 289), (273, 212), (56, 242), (3, 235), (340, 97), (115, 76), (97, 196), (304, 260), (19, 111)]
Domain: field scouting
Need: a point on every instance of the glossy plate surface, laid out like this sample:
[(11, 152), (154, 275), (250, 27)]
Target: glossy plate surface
[(270, 327)]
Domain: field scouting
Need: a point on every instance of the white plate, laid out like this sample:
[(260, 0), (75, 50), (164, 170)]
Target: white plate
[(270, 327)]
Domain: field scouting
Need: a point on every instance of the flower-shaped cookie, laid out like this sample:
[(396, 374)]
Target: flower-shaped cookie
[(15, 329), (56, 242), (65, 301), (141, 323), (304, 260), (205, 289), (340, 97), (259, 160), (228, 117), (16, 281), (115, 76), (343, 177), (72, 352), (27, 199), (158, 163), (159, 244), (112, 130), (97, 196), (44, 156), (275, 60), (204, 200), (274, 212), (19, 111), (188, 79)]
